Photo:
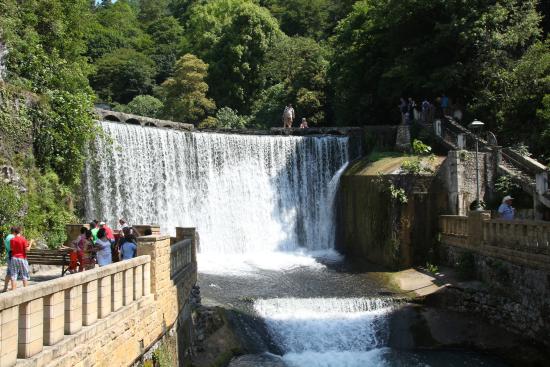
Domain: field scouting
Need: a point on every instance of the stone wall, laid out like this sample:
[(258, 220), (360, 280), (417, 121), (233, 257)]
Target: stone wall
[(507, 264), (108, 316)]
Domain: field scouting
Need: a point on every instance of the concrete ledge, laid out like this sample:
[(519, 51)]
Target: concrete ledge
[(22, 295)]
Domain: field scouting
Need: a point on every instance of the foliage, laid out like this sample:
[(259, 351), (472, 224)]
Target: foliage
[(420, 148), (505, 185), (413, 166), (300, 64), (432, 268), (115, 26), (10, 206), (233, 37), (386, 49), (398, 193), (167, 36), (266, 109), (143, 105), (184, 94), (123, 74), (229, 119)]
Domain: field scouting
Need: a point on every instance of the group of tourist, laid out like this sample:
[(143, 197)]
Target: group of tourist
[(288, 118), (427, 111), (100, 245)]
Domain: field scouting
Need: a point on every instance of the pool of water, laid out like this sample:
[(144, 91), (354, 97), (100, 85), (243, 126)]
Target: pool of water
[(303, 312)]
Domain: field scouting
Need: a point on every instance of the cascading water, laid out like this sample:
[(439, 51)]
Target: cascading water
[(245, 194), (316, 332)]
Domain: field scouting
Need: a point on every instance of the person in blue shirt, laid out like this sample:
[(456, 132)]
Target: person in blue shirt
[(8, 257), (128, 245), (506, 211)]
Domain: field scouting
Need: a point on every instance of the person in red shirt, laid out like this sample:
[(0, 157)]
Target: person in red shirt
[(19, 266), (108, 232)]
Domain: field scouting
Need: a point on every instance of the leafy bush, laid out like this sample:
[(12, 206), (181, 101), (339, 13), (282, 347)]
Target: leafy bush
[(143, 105), (229, 119), (504, 185), (10, 206), (398, 194), (420, 148)]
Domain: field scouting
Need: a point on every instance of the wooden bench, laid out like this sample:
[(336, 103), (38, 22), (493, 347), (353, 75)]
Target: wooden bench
[(50, 257)]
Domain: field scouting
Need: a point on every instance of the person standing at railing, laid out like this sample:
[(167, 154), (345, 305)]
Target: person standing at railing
[(7, 241), (19, 266), (506, 211), (103, 248), (128, 245)]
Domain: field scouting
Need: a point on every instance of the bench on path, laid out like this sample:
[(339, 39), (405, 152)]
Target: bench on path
[(50, 257)]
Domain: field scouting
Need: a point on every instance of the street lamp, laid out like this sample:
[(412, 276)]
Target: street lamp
[(476, 126)]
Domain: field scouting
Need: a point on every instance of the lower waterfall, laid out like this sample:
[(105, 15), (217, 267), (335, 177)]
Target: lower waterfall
[(244, 193)]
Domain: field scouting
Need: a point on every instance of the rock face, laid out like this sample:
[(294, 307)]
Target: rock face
[(8, 175), (3, 54)]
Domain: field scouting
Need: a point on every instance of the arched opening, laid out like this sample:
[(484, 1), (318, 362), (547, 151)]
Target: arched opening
[(133, 122), (149, 123), (111, 118)]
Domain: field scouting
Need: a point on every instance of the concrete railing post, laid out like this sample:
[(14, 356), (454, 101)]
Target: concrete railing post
[(138, 282), (73, 309), (147, 279), (31, 328), (104, 297), (89, 303), (8, 336), (116, 290), (54, 318), (475, 226), (128, 286)]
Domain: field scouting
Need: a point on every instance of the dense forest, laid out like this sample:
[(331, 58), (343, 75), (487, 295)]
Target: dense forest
[(237, 63)]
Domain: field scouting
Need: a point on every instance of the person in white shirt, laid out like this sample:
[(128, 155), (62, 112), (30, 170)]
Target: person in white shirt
[(288, 116), (506, 211)]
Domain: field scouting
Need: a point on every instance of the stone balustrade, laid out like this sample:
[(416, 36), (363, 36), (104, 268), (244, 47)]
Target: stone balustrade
[(41, 315), (107, 316), (524, 242)]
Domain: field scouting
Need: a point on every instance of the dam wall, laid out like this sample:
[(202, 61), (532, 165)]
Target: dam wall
[(108, 316)]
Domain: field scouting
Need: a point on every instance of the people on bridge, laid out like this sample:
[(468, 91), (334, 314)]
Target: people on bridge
[(19, 266), (94, 228), (108, 231), (506, 211), (122, 224), (103, 248), (304, 124), (288, 116), (8, 256)]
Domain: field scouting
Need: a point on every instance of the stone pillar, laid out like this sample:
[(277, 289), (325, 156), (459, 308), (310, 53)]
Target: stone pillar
[(146, 279), (475, 226), (8, 336), (461, 141), (104, 297), (128, 287), (116, 289), (31, 328), (189, 233), (138, 282), (437, 127), (89, 303), (54, 318), (73, 309), (403, 140)]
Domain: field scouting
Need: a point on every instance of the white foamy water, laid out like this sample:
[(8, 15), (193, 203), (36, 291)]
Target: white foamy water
[(250, 197), (316, 332)]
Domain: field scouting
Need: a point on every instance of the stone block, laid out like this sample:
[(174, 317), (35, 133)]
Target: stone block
[(73, 309), (104, 297), (138, 282), (128, 287), (89, 303), (31, 328), (116, 289), (54, 318)]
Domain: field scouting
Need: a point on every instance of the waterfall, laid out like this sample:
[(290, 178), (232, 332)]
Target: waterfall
[(244, 193), (317, 332)]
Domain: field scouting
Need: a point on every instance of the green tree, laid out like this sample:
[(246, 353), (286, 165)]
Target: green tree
[(152, 10), (385, 49), (144, 106), (233, 36), (123, 74), (229, 119), (300, 64), (10, 206), (184, 94), (309, 18), (166, 34), (116, 26), (267, 108)]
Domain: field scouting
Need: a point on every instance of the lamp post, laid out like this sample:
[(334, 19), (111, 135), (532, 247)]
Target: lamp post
[(476, 126)]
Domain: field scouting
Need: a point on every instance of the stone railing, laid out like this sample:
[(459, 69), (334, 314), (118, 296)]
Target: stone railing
[(524, 235), (517, 241), (108, 316), (43, 314)]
